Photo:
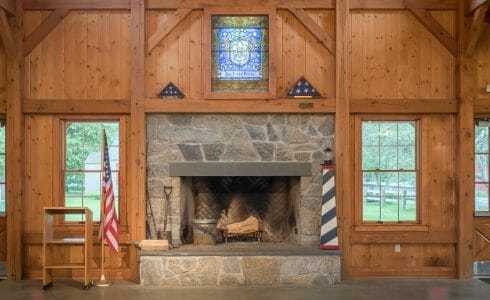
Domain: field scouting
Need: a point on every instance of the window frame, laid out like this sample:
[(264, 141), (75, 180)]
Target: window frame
[(207, 64), (420, 224), (480, 213), (61, 145), (4, 120)]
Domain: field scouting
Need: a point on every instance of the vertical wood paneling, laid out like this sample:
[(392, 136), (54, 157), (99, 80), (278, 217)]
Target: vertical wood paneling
[(395, 57), (3, 79), (483, 61), (85, 57), (178, 57), (437, 196)]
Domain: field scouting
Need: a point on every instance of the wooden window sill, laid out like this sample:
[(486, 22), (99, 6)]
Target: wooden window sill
[(391, 227), (482, 214)]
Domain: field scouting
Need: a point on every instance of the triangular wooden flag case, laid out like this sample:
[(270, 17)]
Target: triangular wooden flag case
[(303, 89), (171, 92)]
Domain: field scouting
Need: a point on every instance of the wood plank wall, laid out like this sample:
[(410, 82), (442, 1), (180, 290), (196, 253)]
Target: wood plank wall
[(84, 57), (178, 57), (87, 57), (3, 80), (395, 57), (483, 62)]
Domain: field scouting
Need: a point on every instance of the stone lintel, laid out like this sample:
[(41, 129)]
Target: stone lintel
[(177, 169)]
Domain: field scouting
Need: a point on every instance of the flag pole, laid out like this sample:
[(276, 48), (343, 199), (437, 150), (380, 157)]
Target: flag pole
[(102, 281)]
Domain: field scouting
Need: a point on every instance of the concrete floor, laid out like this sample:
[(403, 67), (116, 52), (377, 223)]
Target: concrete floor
[(376, 289)]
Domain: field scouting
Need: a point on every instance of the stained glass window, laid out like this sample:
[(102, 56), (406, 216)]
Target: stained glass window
[(240, 53)]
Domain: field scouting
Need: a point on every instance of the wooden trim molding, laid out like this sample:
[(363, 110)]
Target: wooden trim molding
[(75, 4), (240, 106), (8, 6), (310, 4), (166, 28), (378, 106), (403, 238), (477, 25), (202, 4), (52, 106), (6, 34), (314, 28), (38, 35), (434, 27), (401, 4)]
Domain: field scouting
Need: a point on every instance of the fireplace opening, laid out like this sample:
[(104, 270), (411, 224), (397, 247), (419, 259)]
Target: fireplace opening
[(239, 208)]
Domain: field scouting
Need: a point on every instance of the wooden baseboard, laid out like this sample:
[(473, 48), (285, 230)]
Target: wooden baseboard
[(418, 272)]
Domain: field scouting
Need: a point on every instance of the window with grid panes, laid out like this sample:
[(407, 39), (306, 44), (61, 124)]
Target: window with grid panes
[(83, 167), (389, 171), (481, 169)]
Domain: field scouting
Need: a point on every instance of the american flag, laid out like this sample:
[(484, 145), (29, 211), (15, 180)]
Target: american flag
[(110, 227)]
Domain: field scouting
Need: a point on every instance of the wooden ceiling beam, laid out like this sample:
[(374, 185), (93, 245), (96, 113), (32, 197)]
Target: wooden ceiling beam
[(473, 5), (54, 106), (201, 4), (402, 4), (164, 30), (75, 4), (8, 6), (38, 35), (476, 28), (439, 32), (6, 34), (314, 28)]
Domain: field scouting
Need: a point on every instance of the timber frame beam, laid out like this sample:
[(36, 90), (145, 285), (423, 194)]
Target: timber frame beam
[(314, 28), (434, 27), (473, 5), (38, 35), (6, 34), (8, 6), (164, 30), (476, 28), (76, 4)]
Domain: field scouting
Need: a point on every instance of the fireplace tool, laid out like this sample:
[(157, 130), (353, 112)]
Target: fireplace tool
[(167, 190), (148, 216)]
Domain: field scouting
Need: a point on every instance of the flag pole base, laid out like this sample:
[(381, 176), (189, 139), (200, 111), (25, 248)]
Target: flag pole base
[(102, 282)]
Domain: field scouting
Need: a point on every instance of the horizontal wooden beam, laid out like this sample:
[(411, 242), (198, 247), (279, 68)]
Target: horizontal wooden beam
[(166, 28), (476, 29), (44, 106), (8, 6), (201, 4), (75, 4), (434, 27), (403, 238), (473, 5), (38, 35), (314, 28), (401, 4), (423, 272), (6, 34), (403, 106), (34, 238), (240, 106), (482, 106)]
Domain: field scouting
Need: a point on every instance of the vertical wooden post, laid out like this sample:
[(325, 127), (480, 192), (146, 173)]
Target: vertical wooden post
[(342, 128), (465, 163), (15, 149), (137, 139)]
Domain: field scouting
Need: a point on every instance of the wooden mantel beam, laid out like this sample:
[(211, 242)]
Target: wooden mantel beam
[(476, 28), (473, 5), (164, 30), (38, 35), (75, 4), (8, 6), (6, 34), (314, 28), (439, 32)]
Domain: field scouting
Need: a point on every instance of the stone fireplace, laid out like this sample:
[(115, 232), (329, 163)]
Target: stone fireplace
[(197, 151), (227, 168)]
